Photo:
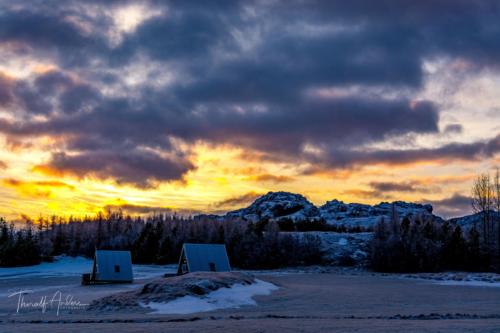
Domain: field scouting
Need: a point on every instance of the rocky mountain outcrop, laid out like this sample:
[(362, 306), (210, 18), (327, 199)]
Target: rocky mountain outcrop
[(276, 206), (284, 205), (354, 214)]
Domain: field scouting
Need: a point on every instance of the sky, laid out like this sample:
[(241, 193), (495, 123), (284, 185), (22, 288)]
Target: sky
[(187, 106)]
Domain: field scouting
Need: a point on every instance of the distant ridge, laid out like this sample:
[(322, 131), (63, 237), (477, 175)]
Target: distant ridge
[(285, 205)]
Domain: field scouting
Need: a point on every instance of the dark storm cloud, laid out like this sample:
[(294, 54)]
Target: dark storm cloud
[(240, 200), (452, 28), (393, 186), (456, 201), (139, 168), (134, 209), (453, 128), (6, 95), (449, 152), (246, 74), (341, 122), (20, 183), (113, 123), (286, 65), (189, 32), (39, 96), (285, 129), (368, 44), (411, 186), (138, 209), (456, 205), (49, 31), (277, 179), (39, 29)]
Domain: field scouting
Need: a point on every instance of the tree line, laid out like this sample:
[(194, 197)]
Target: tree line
[(156, 239), (421, 245), (424, 245), (403, 245), (18, 247)]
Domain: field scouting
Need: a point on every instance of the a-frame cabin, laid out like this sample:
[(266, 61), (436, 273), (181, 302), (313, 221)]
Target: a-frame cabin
[(110, 267), (203, 258)]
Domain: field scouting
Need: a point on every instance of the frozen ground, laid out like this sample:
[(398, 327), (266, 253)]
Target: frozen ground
[(308, 300), (491, 280), (65, 274), (64, 266)]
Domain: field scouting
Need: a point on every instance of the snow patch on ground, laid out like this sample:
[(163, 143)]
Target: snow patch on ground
[(459, 279), (233, 297), (64, 266), (469, 283)]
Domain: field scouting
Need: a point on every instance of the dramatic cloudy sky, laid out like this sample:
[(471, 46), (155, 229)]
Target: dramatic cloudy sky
[(202, 106)]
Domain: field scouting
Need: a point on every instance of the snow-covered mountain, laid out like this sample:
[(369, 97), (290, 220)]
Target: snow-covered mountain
[(354, 214), (280, 205), (276, 206), (469, 221)]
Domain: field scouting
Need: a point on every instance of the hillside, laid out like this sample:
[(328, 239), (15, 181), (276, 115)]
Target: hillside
[(284, 205), (468, 221)]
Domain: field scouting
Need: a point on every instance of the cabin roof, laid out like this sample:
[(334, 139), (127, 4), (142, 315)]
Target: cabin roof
[(200, 257)]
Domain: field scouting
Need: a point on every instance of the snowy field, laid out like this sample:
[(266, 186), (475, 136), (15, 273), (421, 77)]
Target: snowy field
[(64, 266), (315, 299), (489, 280)]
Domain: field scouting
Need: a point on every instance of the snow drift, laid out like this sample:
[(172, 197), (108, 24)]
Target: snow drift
[(194, 289), (234, 296)]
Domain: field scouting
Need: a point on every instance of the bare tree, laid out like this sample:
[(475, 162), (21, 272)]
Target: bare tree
[(482, 202), (496, 203)]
